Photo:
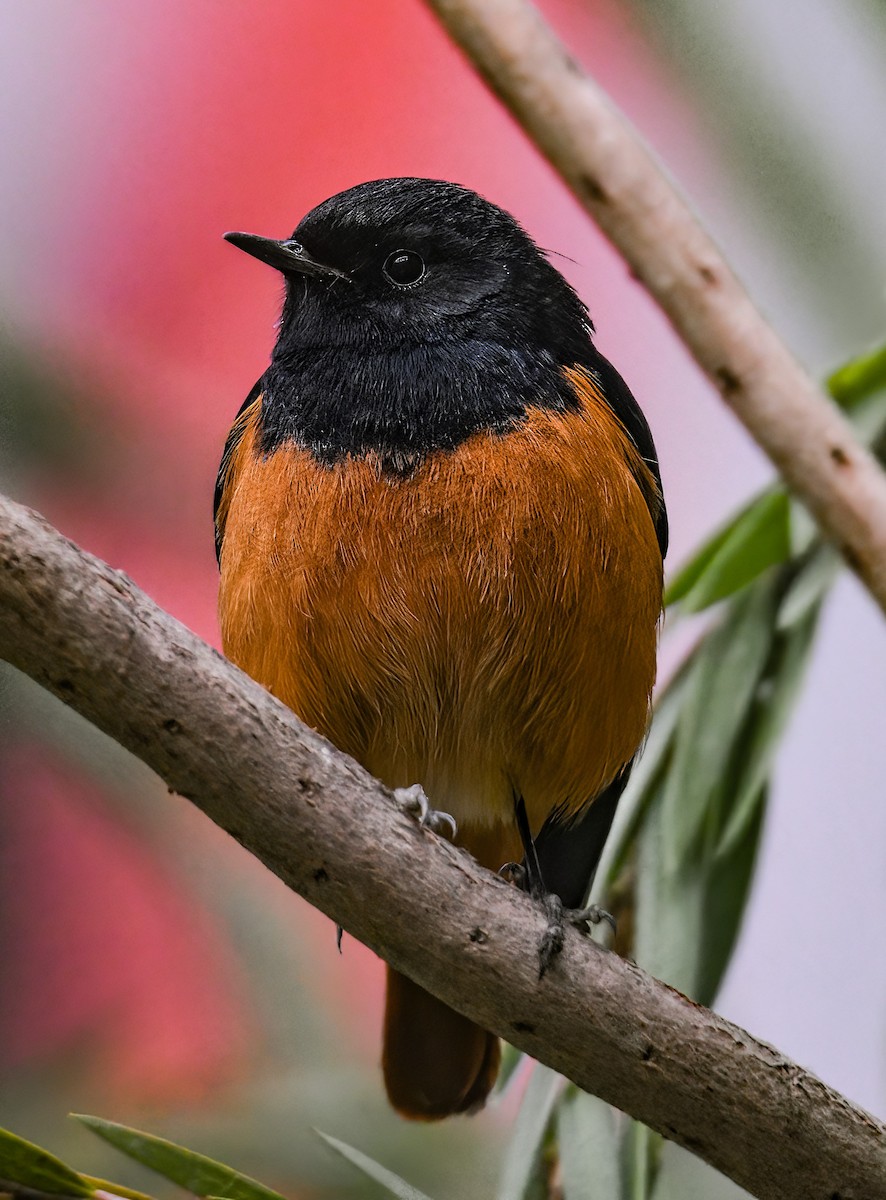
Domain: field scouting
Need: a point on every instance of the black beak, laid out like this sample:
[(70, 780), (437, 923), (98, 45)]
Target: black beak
[(288, 256)]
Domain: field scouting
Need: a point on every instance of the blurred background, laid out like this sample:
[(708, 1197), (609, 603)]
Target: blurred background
[(151, 972)]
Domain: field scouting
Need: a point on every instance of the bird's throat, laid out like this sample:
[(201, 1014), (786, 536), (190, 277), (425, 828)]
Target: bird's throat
[(402, 404)]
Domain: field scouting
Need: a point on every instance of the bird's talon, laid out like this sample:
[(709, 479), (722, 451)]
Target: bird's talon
[(513, 872), (558, 918), (414, 800), (592, 915), (549, 947), (439, 822), (552, 939)]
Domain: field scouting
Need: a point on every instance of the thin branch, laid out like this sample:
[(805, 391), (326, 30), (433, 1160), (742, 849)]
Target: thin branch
[(332, 833), (614, 176)]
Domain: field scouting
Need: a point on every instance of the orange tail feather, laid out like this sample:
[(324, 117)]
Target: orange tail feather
[(435, 1061)]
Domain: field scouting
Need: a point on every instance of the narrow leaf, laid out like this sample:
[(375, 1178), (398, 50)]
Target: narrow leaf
[(723, 677), (195, 1172), (858, 379), (652, 760), (668, 905), (769, 721), (686, 922), (759, 539), (810, 587), (523, 1157), (33, 1167), (690, 573), (392, 1183), (587, 1137), (641, 1151), (726, 883), (804, 530)]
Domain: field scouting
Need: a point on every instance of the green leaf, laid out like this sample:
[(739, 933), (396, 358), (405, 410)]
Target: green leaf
[(24, 1163), (587, 1137), (810, 586), (722, 680), (726, 882), (668, 909), (859, 388), (761, 742), (523, 1157), (631, 808), (804, 530), (686, 922), (689, 574), (759, 538), (194, 1172), (695, 864), (392, 1183), (641, 1151), (856, 380)]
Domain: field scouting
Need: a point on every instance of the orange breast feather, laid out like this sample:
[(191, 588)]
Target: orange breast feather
[(485, 627)]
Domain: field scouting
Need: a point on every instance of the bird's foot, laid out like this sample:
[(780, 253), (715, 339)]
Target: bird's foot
[(414, 800), (592, 915), (558, 918)]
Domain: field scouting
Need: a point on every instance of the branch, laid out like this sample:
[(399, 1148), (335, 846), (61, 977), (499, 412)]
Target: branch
[(332, 834), (615, 178)]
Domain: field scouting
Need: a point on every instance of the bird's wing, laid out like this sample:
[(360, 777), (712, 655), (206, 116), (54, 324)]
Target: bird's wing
[(568, 851), (223, 480), (619, 398)]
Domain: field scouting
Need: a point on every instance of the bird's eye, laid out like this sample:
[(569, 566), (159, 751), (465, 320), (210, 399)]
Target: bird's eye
[(404, 268)]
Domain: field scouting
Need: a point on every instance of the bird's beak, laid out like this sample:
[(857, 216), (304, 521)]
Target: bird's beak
[(288, 256)]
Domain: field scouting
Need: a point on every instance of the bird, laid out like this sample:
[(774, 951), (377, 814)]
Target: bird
[(440, 529)]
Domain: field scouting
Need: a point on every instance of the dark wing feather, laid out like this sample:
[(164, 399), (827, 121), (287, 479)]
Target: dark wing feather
[(235, 436), (568, 851), (621, 401)]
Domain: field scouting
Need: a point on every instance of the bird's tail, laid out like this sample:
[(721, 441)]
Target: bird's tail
[(435, 1061)]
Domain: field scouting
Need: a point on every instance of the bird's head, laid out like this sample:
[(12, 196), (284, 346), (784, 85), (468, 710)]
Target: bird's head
[(416, 315), (400, 260)]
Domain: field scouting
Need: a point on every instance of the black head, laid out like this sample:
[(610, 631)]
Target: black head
[(416, 314)]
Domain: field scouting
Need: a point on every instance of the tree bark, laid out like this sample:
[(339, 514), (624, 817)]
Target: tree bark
[(616, 179), (333, 834)]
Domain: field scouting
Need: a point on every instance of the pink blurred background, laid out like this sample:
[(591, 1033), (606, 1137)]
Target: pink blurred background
[(149, 967)]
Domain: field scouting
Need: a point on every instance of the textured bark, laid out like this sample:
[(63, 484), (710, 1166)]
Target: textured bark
[(616, 179), (333, 834)]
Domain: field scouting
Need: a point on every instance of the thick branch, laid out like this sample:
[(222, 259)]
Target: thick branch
[(614, 176), (332, 833)]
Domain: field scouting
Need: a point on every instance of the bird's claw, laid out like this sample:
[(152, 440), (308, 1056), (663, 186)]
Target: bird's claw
[(414, 800), (558, 918), (552, 939), (592, 915), (513, 872)]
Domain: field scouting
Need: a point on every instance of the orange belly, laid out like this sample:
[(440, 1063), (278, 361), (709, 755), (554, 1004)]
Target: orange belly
[(485, 627)]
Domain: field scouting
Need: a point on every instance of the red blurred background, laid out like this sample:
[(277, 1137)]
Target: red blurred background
[(149, 969)]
